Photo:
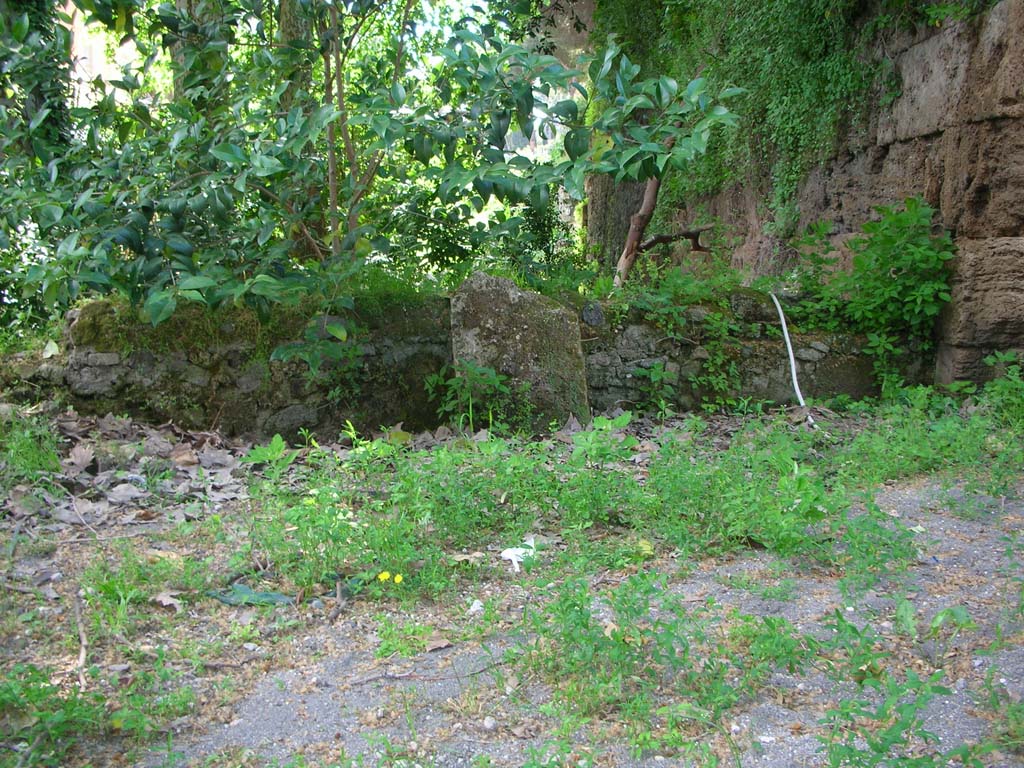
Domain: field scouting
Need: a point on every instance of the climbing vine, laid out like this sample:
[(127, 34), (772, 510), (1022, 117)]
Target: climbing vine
[(807, 67)]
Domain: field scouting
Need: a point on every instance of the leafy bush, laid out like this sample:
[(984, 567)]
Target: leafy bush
[(472, 391), (1005, 394), (898, 284), (260, 178), (28, 451)]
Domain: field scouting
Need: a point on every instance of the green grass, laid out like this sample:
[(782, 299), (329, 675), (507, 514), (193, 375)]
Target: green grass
[(43, 720), (799, 494), (637, 653), (28, 451), (398, 526)]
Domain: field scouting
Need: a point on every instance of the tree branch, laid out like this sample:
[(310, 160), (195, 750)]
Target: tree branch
[(332, 152), (303, 229), (692, 234)]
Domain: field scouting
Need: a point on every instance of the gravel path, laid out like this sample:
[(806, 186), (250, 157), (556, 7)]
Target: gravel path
[(464, 704)]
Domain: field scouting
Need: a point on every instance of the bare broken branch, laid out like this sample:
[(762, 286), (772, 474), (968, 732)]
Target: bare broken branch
[(692, 234)]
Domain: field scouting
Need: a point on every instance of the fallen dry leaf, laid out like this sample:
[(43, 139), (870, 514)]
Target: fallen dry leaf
[(157, 445), (511, 683), (159, 555), (79, 457), (168, 600), (436, 642), (125, 493), (184, 456), (216, 458)]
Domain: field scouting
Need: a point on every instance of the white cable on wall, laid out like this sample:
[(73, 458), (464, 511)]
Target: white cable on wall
[(792, 360)]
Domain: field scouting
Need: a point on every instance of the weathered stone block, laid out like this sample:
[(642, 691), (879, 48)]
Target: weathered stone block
[(933, 74), (87, 380), (752, 306), (104, 359), (988, 294), (983, 179), (808, 354), (526, 337), (996, 75)]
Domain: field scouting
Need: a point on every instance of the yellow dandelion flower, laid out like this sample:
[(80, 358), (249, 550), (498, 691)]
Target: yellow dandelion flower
[(384, 575), (398, 578)]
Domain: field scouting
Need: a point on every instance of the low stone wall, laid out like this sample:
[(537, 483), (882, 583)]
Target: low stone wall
[(828, 364), (214, 371), (227, 380)]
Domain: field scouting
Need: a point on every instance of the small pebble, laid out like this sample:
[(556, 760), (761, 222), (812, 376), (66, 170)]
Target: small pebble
[(250, 646), (316, 604), (490, 724), (476, 607)]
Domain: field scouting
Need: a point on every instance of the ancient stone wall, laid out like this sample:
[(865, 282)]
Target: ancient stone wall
[(955, 136), (222, 376), (621, 353), (226, 379)]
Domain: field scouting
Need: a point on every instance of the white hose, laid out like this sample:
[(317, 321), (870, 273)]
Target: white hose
[(792, 361)]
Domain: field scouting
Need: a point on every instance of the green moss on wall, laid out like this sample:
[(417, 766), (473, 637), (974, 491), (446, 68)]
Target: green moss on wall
[(808, 67)]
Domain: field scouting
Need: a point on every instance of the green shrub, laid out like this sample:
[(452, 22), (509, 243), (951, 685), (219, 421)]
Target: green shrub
[(44, 720), (898, 284), (468, 392)]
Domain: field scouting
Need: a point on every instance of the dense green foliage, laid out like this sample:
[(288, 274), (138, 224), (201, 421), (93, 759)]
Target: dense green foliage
[(229, 165), (896, 287)]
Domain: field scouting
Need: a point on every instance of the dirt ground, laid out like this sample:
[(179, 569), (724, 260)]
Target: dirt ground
[(453, 705), (307, 684)]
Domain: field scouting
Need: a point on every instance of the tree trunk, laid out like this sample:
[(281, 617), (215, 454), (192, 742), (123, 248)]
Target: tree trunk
[(637, 227), (295, 33), (609, 207), (638, 224)]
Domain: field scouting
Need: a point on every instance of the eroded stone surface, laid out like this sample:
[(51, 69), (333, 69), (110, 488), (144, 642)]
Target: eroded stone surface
[(936, 69), (527, 337), (987, 311), (954, 136), (988, 294)]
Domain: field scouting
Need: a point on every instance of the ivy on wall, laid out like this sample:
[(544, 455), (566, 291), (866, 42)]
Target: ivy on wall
[(808, 67)]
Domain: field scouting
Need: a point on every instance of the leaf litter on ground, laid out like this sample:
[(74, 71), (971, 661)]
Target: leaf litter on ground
[(50, 554)]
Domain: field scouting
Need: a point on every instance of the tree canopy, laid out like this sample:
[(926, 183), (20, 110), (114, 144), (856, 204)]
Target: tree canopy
[(257, 152)]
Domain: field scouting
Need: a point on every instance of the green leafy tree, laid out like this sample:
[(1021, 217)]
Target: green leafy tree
[(280, 160)]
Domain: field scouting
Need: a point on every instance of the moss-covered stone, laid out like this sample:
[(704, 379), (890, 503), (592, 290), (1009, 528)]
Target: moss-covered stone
[(526, 337), (206, 368)]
